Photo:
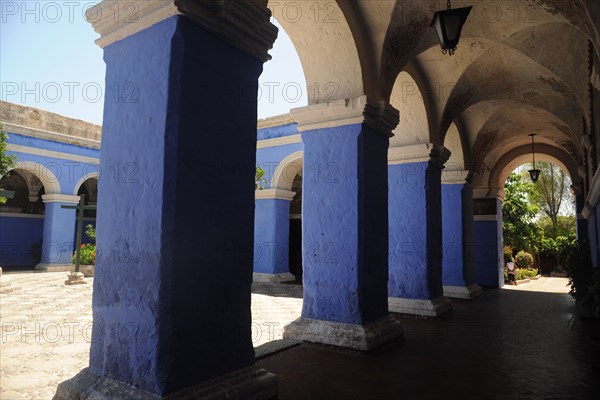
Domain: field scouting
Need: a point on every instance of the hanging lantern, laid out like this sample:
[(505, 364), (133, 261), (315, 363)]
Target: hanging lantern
[(534, 173), (448, 25)]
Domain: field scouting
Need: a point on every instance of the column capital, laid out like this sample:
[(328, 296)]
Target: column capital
[(244, 24), (439, 155), (60, 198), (330, 115), (380, 116), (410, 154), (279, 194), (455, 177)]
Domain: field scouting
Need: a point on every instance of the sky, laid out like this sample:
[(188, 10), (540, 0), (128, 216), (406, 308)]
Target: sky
[(48, 60)]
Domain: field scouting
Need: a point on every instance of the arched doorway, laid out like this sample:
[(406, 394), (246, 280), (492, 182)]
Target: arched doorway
[(89, 188), (295, 243), (22, 219)]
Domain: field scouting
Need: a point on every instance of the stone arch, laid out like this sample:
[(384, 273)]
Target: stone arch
[(521, 155), (408, 99), (286, 171), (454, 143), (45, 175), (84, 178), (321, 25)]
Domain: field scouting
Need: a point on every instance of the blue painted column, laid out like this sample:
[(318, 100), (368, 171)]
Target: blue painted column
[(488, 242), (458, 276), (345, 225), (172, 283), (271, 236), (57, 242), (415, 209)]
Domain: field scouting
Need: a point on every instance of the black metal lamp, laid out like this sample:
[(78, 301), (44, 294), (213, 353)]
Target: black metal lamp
[(534, 173), (448, 25)]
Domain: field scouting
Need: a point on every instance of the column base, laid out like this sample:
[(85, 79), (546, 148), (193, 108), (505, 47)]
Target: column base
[(272, 278), (75, 278), (248, 383), (359, 337), (463, 292), (55, 267), (427, 308)]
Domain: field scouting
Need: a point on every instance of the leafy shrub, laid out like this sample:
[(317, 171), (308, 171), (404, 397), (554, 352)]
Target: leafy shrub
[(87, 254), (508, 254), (524, 259)]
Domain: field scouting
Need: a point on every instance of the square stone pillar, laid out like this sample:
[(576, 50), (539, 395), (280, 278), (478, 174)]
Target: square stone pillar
[(345, 225), (271, 236), (59, 229), (172, 282), (458, 276), (488, 242), (415, 208)]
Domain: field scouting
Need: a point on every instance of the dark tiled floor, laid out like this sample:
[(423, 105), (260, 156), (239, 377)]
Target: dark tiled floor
[(506, 345)]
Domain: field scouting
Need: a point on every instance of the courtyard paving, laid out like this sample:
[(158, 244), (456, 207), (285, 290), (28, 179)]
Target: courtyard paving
[(519, 343), (46, 330)]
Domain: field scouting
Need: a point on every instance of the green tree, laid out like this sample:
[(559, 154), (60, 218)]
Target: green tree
[(518, 214), (259, 178), (552, 192), (6, 162)]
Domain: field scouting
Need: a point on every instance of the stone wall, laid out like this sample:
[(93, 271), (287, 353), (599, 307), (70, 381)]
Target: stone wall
[(33, 118)]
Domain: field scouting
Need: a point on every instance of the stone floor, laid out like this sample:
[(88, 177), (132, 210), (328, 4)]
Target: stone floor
[(518, 343), (521, 342), (46, 330)]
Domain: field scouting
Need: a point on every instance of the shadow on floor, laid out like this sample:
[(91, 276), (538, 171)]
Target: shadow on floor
[(285, 289), (504, 345)]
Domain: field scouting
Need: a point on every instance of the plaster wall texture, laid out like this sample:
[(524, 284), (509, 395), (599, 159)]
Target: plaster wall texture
[(17, 237), (271, 236), (270, 158), (345, 224), (453, 255), (188, 275), (489, 257), (415, 227), (57, 242)]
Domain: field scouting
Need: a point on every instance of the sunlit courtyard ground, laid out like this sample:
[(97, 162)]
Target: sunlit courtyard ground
[(46, 327), (46, 330)]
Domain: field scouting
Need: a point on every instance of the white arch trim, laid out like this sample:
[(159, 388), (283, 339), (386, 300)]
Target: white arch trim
[(286, 171), (47, 177), (83, 179)]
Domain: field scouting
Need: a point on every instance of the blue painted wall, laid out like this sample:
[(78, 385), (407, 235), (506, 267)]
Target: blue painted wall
[(270, 158), (58, 245), (344, 231), (179, 279), (453, 262), (277, 131), (271, 236), (489, 257), (415, 245), (17, 238)]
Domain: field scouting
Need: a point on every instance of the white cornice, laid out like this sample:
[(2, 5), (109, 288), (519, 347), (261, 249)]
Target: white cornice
[(454, 177), (52, 154), (330, 115), (280, 141), (279, 194), (47, 135), (279, 120), (244, 24), (60, 198), (409, 154)]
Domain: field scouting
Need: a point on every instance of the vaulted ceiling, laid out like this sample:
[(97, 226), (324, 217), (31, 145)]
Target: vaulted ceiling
[(522, 66)]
